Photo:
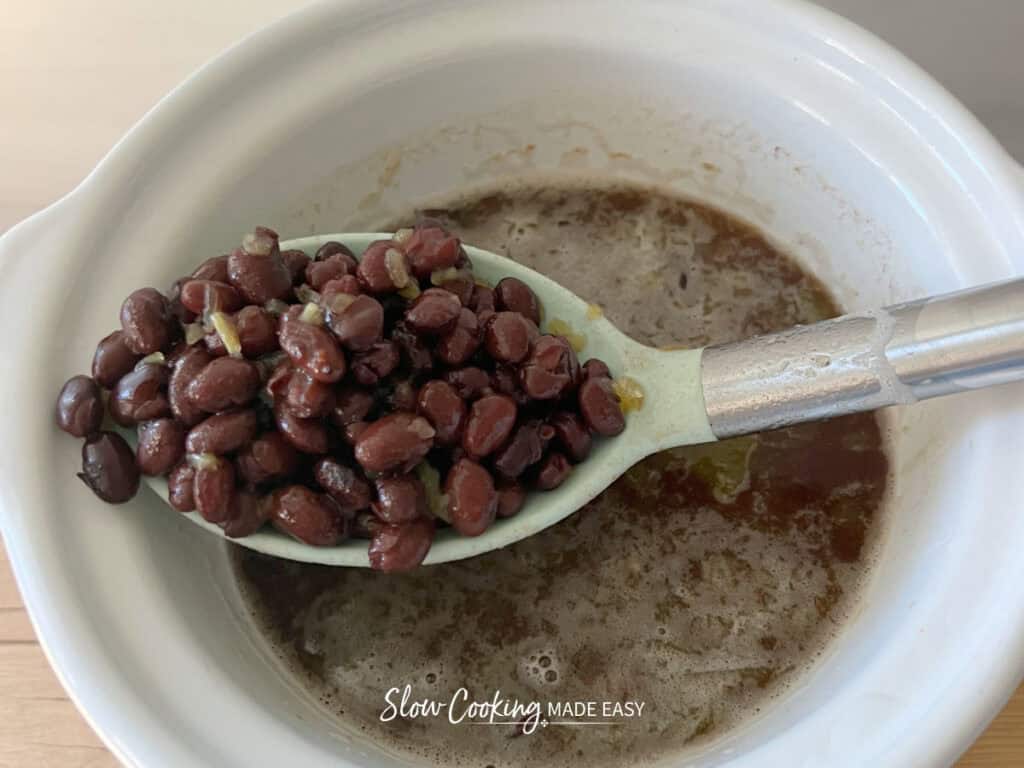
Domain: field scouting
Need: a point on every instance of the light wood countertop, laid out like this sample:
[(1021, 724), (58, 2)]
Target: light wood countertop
[(74, 76)]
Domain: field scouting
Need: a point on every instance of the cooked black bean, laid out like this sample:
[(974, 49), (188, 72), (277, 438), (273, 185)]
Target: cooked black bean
[(524, 449), (572, 435), (223, 383), (433, 312), (146, 321), (161, 445), (400, 499), (311, 347), (212, 488), (379, 361), (553, 471), (444, 409), (80, 406), (397, 548), (345, 485), (248, 513), (307, 435), (140, 396), (113, 359), (108, 467), (514, 295), (414, 349), (257, 270), (459, 344), (398, 440), (308, 398), (430, 248), (482, 299), (322, 271), (595, 368), (511, 496), (490, 422), (505, 381), (550, 370), (310, 517), (352, 404), (296, 261), (180, 487), (223, 433), (185, 369), (199, 296), (507, 337), (332, 247), (256, 329), (215, 269), (472, 500), (461, 287), (600, 407), (269, 457), (470, 382), (354, 430), (357, 321)]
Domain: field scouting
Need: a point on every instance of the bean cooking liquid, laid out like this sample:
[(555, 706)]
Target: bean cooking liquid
[(702, 583)]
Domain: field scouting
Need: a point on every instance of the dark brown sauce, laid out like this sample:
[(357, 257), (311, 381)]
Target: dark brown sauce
[(701, 583)]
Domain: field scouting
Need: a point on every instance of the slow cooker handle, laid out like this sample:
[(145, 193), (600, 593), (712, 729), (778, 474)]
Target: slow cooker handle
[(959, 341)]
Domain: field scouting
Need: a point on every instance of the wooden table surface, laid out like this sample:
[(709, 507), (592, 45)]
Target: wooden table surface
[(73, 77)]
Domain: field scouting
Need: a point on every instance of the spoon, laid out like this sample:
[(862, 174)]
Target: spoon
[(895, 356)]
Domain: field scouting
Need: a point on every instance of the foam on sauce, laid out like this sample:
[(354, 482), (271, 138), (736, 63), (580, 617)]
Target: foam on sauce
[(703, 582)]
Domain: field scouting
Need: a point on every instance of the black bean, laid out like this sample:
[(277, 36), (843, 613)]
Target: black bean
[(600, 407), (311, 347), (140, 396), (397, 548), (310, 517), (223, 433), (489, 425), (472, 500), (108, 467), (161, 445), (146, 321), (180, 487), (308, 398), (444, 409), (257, 269), (553, 471), (344, 484), (223, 383), (398, 440), (199, 296), (307, 435), (80, 406), (113, 359), (379, 361), (433, 312), (357, 321), (551, 369), (269, 457), (469, 382), (514, 295), (507, 337), (185, 369), (383, 268), (400, 499), (524, 449), (430, 248), (212, 489), (572, 435)]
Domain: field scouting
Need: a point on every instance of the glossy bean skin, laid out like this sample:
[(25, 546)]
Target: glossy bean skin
[(212, 489), (472, 500), (461, 287), (257, 333), (310, 517), (308, 398), (507, 337), (185, 369), (354, 430), (511, 497), (80, 406), (140, 396), (146, 321), (462, 341), (180, 487), (550, 370), (247, 514), (296, 262), (306, 435), (199, 296), (470, 382), (343, 484), (379, 361), (414, 349), (269, 457), (359, 324), (348, 284), (215, 269), (332, 247), (524, 449), (433, 312), (161, 445), (311, 347), (398, 548), (600, 407), (113, 360), (553, 471), (441, 405), (400, 499), (572, 435), (505, 381), (108, 467), (399, 440), (352, 404), (383, 268), (223, 383), (482, 300), (595, 368), (223, 432), (260, 276), (332, 267), (431, 248), (490, 422), (513, 295)]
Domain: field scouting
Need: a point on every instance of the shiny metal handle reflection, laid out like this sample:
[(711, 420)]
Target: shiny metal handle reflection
[(894, 356)]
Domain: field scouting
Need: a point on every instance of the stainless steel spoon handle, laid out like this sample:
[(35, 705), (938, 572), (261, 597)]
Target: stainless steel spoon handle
[(894, 356)]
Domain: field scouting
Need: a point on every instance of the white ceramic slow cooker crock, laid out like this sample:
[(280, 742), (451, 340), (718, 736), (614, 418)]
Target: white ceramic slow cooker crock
[(784, 114)]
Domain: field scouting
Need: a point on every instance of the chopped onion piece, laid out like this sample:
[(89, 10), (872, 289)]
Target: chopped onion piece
[(394, 263), (446, 275), (225, 328), (402, 236), (312, 314), (155, 358), (203, 460), (436, 501), (411, 291), (194, 333)]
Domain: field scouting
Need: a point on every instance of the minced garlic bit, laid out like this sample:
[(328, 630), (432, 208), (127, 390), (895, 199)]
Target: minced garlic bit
[(339, 302), (411, 291), (594, 311), (203, 461), (482, 283), (225, 328), (629, 392), (402, 235), (258, 244), (561, 328), (312, 314), (194, 333), (394, 263), (306, 294), (276, 307), (156, 358), (436, 501), (446, 275)]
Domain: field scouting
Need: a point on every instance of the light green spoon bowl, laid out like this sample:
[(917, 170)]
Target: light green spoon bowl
[(672, 414)]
